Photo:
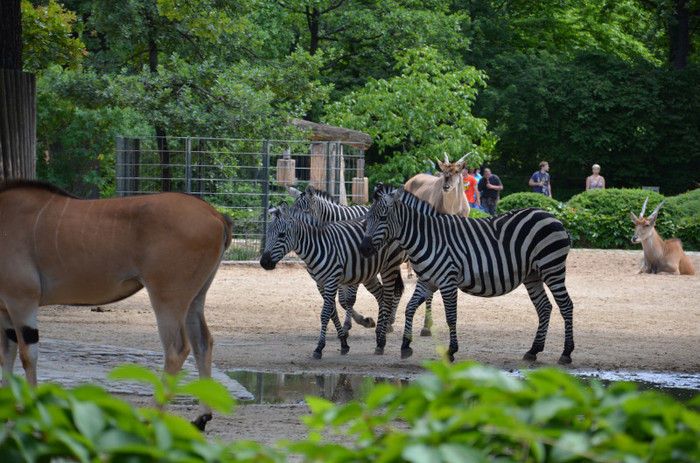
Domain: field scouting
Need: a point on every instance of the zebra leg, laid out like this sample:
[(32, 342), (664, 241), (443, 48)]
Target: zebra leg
[(329, 311), (449, 298), (347, 295), (566, 307), (392, 290), (377, 290), (535, 289), (428, 322), (398, 292), (419, 295)]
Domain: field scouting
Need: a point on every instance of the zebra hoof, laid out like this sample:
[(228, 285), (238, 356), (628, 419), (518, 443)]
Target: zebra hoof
[(426, 332), (201, 421), (406, 353), (564, 360), (344, 350), (317, 355), (369, 322), (528, 357), (378, 351)]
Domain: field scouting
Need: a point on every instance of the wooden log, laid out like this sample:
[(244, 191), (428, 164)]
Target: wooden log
[(286, 169), (325, 132), (360, 190)]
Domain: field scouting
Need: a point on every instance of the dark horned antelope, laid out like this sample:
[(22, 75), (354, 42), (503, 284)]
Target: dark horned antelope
[(59, 249), (659, 256)]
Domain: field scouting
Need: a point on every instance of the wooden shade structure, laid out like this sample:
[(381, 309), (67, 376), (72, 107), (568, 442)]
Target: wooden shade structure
[(320, 152)]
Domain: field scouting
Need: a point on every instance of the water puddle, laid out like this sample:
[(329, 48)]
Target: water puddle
[(291, 388)]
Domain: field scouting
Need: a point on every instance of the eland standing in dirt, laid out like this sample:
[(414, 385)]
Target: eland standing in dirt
[(659, 256), (60, 249)]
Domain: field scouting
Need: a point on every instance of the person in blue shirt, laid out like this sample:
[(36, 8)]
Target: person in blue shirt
[(540, 181)]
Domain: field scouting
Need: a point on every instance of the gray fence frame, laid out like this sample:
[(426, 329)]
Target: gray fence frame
[(241, 177)]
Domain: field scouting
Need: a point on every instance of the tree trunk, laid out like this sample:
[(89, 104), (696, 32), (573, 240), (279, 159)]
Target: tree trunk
[(679, 35), (17, 99)]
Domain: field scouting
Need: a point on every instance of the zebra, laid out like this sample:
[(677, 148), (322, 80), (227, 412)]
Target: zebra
[(323, 206), (332, 256), (484, 257)]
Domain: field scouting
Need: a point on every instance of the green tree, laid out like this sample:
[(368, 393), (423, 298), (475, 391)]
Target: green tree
[(418, 115), (51, 36)]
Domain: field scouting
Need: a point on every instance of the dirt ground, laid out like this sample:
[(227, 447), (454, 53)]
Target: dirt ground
[(269, 321)]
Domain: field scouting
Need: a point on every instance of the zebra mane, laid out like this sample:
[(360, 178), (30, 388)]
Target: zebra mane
[(324, 195), (417, 204), (301, 216)]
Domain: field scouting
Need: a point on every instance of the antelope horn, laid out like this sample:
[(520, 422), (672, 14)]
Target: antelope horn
[(657, 208), (644, 207), (465, 157), (293, 192)]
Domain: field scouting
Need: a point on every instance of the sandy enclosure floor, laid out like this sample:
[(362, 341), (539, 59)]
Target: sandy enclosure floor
[(269, 321)]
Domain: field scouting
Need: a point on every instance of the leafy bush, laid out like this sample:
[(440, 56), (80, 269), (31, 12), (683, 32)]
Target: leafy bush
[(601, 218), (469, 412), (520, 200), (687, 205), (456, 413), (49, 423)]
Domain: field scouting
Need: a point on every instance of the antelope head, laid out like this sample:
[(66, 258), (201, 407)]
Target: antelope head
[(452, 173), (644, 226)]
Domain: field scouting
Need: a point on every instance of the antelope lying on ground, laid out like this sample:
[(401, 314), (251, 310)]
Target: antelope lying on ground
[(444, 192), (659, 256)]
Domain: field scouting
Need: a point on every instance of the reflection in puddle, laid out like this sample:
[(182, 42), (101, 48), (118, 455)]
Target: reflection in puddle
[(287, 388), (290, 388)]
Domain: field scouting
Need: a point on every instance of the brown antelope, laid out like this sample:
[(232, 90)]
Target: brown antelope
[(59, 249), (659, 256), (444, 191)]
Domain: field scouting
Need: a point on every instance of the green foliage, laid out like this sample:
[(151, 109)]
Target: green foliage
[(423, 112), (455, 413), (685, 204), (50, 35), (86, 424), (520, 200), (601, 218), (469, 412)]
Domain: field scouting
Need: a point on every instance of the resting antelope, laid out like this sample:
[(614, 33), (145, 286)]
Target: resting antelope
[(444, 192), (659, 256)]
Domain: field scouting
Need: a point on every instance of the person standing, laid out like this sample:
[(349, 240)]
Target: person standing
[(540, 181), (595, 181), (471, 188), (490, 187)]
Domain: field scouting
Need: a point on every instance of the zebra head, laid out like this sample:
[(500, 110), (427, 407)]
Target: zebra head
[(302, 201), (278, 241), (381, 219)]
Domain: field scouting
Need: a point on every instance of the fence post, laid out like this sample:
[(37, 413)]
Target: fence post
[(188, 165), (266, 189)]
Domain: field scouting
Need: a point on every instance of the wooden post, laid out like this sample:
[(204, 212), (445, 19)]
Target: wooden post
[(286, 170), (317, 174)]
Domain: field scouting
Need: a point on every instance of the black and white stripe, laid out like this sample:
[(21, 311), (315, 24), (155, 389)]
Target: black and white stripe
[(324, 207), (484, 257), (332, 256)]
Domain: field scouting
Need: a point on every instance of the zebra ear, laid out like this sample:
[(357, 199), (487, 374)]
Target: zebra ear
[(398, 193), (273, 211), (310, 190)]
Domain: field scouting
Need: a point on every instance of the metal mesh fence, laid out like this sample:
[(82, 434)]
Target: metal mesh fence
[(241, 178)]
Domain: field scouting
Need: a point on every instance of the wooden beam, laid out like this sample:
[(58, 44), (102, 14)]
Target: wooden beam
[(325, 132)]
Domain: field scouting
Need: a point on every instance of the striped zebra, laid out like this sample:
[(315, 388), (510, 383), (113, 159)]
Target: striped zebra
[(484, 257), (332, 256), (324, 207)]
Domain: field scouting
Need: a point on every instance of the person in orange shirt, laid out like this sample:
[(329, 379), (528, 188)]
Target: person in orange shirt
[(470, 188)]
